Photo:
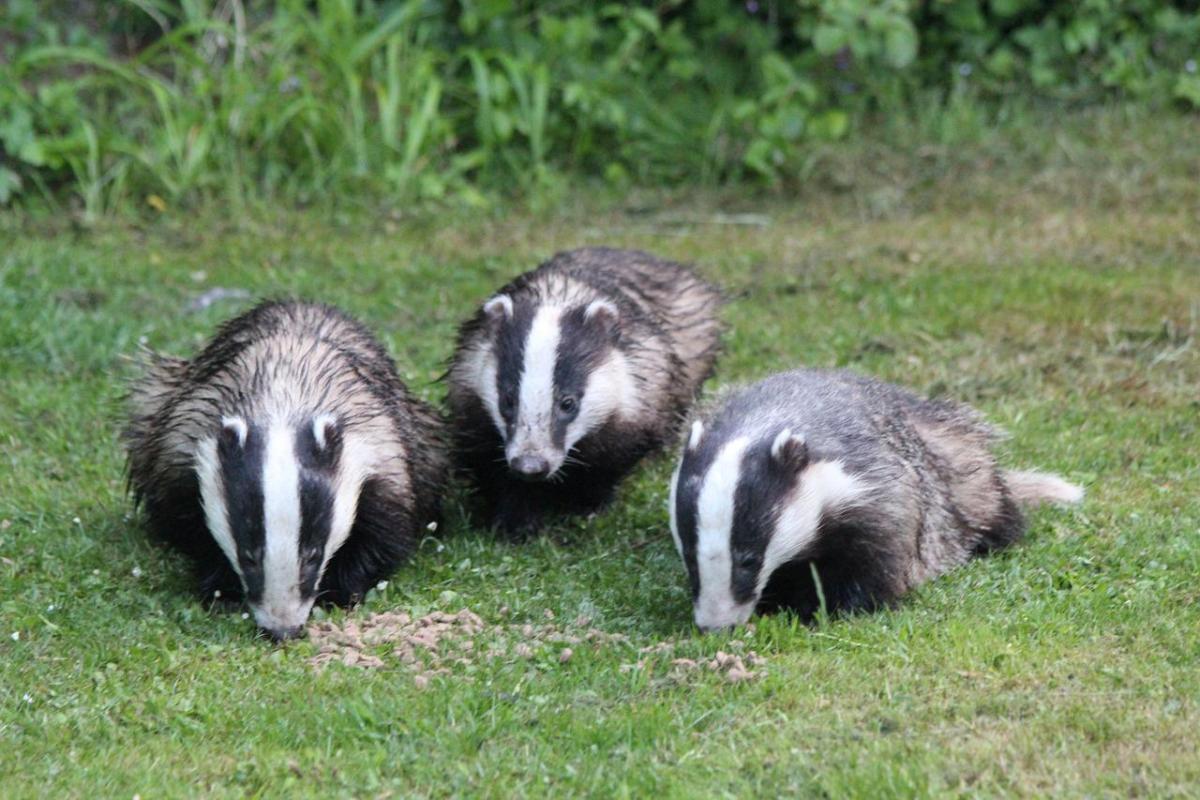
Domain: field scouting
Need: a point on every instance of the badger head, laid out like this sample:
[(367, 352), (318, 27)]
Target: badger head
[(279, 499), (740, 508), (554, 374)]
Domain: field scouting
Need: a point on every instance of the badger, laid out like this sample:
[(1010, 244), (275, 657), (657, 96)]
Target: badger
[(287, 460), (828, 490), (570, 374)]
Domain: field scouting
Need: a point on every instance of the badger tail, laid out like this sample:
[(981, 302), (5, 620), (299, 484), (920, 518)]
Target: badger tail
[(1034, 488)]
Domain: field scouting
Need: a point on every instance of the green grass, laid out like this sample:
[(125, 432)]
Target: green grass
[(1059, 293)]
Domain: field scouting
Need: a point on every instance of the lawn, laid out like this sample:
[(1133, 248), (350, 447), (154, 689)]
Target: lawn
[(1054, 284)]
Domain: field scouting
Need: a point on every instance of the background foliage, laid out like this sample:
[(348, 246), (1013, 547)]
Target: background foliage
[(170, 101)]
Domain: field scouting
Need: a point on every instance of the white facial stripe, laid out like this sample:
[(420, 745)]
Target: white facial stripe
[(608, 391), (715, 607), (823, 487), (480, 368), (697, 432), (356, 467), (212, 499), (671, 508), (281, 606), (535, 403)]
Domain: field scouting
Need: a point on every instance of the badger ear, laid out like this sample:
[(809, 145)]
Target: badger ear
[(326, 440), (234, 432), (789, 451), (696, 434), (499, 309), (605, 316), (326, 432), (603, 313)]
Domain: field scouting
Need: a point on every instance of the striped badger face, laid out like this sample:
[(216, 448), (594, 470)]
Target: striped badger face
[(742, 507), (279, 504), (553, 375)]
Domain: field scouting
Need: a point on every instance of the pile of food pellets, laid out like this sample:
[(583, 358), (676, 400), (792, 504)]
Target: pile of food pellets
[(441, 643)]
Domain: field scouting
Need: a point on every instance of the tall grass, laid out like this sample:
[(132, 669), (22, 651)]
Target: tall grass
[(170, 101)]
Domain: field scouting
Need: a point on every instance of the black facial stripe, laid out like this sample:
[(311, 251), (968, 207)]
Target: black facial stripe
[(310, 455), (316, 520), (510, 356), (757, 502), (241, 478), (582, 348)]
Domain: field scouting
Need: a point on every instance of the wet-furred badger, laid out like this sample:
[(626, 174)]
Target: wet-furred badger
[(573, 372), (862, 482), (287, 460)]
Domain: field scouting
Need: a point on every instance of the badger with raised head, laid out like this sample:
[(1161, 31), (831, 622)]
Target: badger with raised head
[(864, 484), (573, 372), (287, 460)]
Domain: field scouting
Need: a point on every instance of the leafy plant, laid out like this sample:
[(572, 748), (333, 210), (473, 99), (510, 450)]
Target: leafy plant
[(426, 99)]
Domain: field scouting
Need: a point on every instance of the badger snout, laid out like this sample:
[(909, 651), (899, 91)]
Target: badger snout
[(530, 467), (283, 634), (281, 624), (723, 616)]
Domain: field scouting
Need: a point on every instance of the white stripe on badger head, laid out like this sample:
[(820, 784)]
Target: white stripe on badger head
[(479, 370), (281, 607), (824, 486), (715, 606), (212, 500), (671, 508), (535, 407), (357, 464), (609, 390)]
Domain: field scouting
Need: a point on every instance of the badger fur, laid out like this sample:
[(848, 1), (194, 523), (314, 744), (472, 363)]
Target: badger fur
[(570, 374), (287, 460), (863, 483)]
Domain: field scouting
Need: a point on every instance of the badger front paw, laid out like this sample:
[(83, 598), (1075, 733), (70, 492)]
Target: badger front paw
[(516, 520)]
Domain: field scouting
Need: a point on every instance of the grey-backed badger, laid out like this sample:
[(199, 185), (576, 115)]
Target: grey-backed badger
[(570, 374), (287, 460), (874, 487)]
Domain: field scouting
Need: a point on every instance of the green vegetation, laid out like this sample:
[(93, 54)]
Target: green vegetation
[(145, 103), (1057, 288)]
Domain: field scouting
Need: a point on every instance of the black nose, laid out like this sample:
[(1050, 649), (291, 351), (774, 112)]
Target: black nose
[(283, 634), (531, 468)]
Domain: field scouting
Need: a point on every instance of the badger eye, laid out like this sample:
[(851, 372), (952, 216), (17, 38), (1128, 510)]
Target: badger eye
[(506, 404), (313, 557), (748, 561), (568, 405)]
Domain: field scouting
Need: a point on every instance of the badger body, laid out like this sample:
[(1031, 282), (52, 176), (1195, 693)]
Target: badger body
[(571, 374), (287, 460), (863, 483)]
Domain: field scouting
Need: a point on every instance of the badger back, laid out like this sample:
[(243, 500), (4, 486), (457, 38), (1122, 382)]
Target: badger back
[(312, 466)]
